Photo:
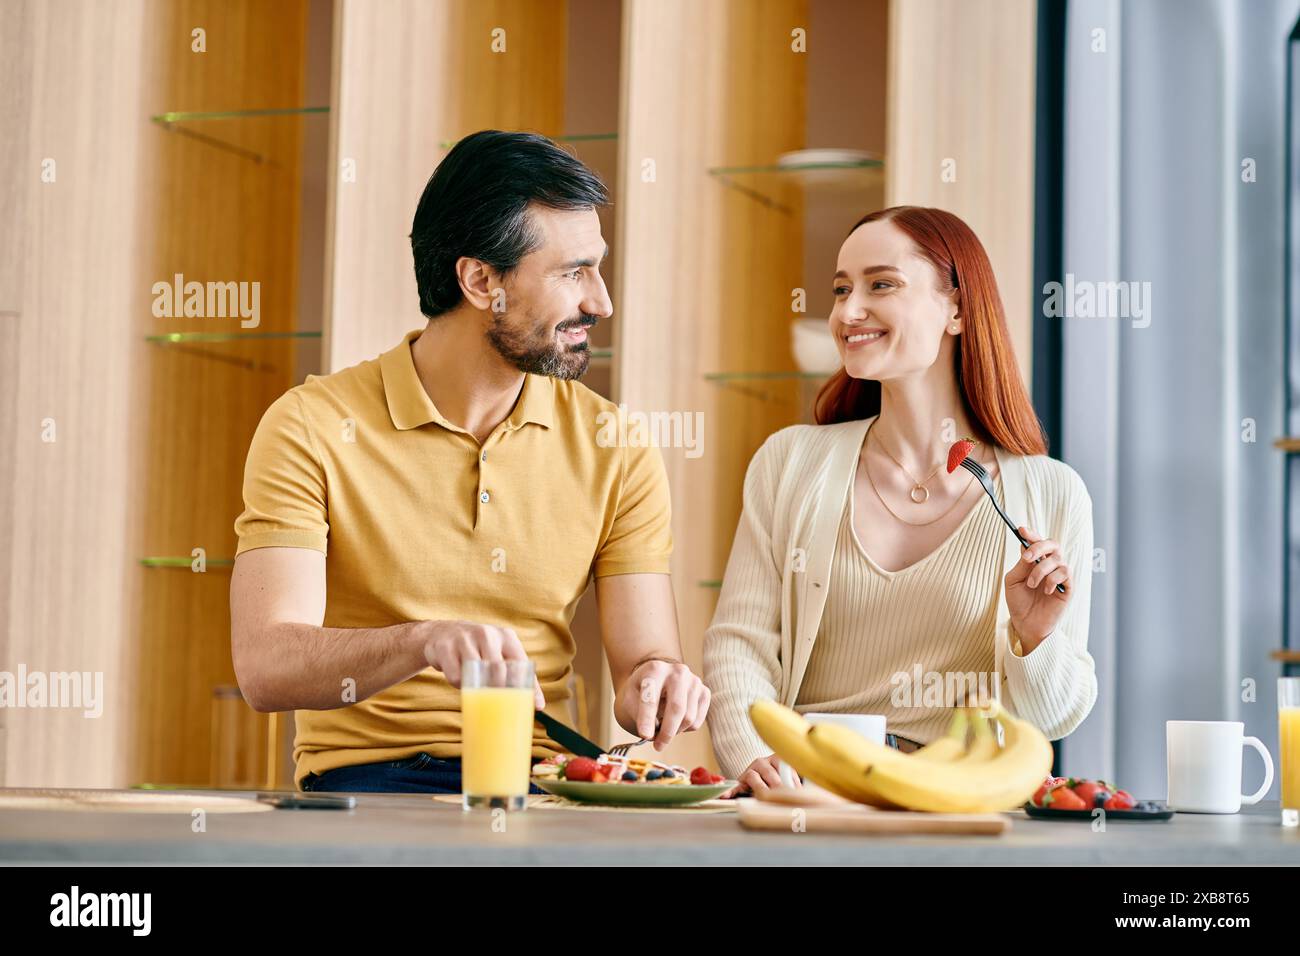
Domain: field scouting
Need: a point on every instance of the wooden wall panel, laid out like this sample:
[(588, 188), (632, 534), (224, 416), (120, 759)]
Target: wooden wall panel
[(70, 92), (847, 76), (961, 87), (591, 106), (409, 75), (215, 214), (706, 272)]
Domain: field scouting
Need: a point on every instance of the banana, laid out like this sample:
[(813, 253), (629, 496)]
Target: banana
[(984, 744), (849, 775), (951, 746), (786, 732), (1001, 782)]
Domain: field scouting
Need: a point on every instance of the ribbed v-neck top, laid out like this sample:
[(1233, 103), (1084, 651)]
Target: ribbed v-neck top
[(883, 631)]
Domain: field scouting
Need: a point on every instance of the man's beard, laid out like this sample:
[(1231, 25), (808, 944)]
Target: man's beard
[(537, 349)]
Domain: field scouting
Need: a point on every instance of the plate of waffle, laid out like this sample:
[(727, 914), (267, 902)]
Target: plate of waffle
[(627, 781)]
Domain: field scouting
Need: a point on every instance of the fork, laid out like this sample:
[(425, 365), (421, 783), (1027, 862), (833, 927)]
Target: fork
[(620, 750), (976, 469)]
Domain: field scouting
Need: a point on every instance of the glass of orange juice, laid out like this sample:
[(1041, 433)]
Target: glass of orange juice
[(1288, 746), (496, 710)]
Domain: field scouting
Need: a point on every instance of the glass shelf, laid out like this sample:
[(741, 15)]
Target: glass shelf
[(255, 134), (776, 185), (171, 338), (196, 344), (768, 386), (185, 562), (203, 116), (724, 377), (178, 341), (572, 138)]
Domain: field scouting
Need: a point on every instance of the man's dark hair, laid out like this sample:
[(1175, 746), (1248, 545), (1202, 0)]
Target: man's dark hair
[(476, 204)]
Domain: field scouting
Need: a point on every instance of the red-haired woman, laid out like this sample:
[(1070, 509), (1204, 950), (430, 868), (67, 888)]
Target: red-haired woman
[(865, 578)]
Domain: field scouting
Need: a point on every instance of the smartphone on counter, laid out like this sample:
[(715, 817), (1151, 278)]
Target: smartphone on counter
[(308, 801)]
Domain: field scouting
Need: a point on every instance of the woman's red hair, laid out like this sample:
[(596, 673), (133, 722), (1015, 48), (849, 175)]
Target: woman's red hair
[(987, 373)]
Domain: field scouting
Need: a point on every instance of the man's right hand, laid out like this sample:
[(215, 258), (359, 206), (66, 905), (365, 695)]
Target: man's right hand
[(761, 774), (450, 643)]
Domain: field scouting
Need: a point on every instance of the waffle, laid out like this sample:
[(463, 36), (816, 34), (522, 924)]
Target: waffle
[(614, 767)]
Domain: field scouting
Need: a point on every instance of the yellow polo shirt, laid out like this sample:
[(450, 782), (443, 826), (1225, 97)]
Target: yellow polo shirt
[(420, 522)]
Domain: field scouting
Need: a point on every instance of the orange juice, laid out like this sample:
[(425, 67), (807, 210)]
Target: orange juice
[(497, 735), (1289, 753)]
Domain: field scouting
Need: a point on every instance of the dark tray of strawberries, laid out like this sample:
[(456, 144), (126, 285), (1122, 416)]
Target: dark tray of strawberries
[(1073, 798)]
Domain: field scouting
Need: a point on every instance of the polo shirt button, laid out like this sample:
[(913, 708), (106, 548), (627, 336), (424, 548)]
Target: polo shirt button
[(484, 497), (484, 458)]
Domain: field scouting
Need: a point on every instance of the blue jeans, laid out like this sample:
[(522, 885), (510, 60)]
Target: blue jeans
[(892, 740), (418, 774)]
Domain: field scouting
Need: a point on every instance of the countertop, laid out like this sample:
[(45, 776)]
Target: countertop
[(415, 829)]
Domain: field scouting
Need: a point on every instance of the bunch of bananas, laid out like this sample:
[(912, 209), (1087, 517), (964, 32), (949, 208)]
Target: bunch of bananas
[(949, 775)]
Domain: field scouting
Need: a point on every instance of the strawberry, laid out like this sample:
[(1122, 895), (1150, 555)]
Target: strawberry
[(579, 768), (1120, 800), (1063, 798), (1088, 790), (1049, 784), (599, 776), (700, 776), (958, 452), (716, 778)]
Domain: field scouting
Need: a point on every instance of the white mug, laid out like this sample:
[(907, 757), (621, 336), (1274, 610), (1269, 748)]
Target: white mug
[(871, 726), (1204, 766)]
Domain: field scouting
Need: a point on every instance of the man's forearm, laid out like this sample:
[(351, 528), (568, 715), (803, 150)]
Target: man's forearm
[(302, 667)]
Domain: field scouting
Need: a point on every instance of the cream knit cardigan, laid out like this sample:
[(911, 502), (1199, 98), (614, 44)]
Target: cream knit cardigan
[(774, 590)]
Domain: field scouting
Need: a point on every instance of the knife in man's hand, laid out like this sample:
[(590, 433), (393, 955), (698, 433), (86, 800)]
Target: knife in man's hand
[(567, 737)]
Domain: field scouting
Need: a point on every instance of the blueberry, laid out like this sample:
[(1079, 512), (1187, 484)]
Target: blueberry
[(630, 776), (669, 775), (653, 774), (1100, 798)]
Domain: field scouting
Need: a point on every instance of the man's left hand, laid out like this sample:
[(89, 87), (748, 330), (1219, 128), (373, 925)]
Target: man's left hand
[(661, 699)]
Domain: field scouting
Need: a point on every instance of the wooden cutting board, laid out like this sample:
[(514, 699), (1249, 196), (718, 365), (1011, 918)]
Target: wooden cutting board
[(855, 818), (127, 801)]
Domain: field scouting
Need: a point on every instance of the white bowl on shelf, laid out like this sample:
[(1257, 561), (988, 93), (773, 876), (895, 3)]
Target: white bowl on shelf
[(830, 170), (814, 347), (821, 157)]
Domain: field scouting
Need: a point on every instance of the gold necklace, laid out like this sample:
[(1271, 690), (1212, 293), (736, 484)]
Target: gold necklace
[(918, 487), (915, 524)]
